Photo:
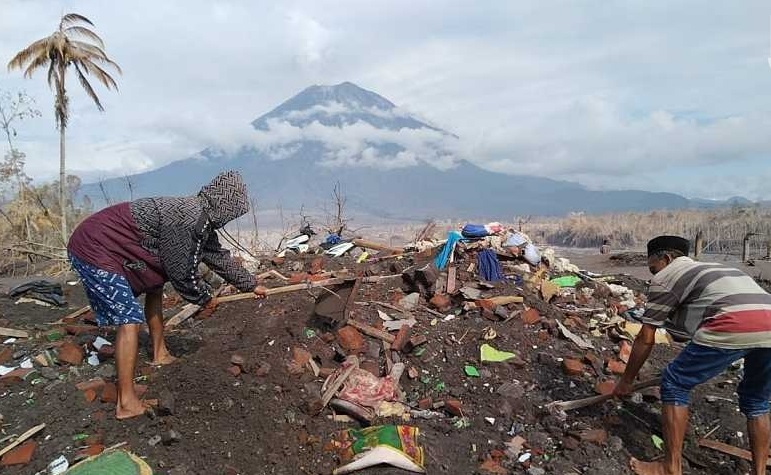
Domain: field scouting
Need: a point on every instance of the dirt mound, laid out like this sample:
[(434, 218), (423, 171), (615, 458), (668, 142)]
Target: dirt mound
[(629, 259)]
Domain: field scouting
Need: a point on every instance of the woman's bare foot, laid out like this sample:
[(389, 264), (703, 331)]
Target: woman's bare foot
[(650, 468), (163, 357), (127, 410)]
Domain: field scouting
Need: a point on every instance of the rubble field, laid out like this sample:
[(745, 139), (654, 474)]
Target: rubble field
[(246, 396)]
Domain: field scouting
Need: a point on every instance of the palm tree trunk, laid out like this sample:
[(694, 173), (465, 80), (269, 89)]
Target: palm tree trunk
[(62, 184)]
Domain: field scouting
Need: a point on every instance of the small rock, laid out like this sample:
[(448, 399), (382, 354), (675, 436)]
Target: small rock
[(166, 403), (106, 371), (454, 407), (263, 369), (171, 437), (535, 471), (615, 444), (237, 360), (49, 373), (234, 370), (154, 440), (410, 301)]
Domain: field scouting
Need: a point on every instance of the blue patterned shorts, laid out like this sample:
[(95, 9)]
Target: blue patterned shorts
[(109, 294)]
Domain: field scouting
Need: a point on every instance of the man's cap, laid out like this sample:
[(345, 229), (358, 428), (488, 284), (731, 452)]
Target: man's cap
[(668, 243)]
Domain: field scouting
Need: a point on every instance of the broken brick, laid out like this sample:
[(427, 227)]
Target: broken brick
[(90, 451), (16, 376), (531, 316), (605, 387), (93, 384), (616, 367), (278, 261), (350, 339), (140, 389), (70, 353), (21, 455), (543, 335), (441, 302), (486, 304), (425, 403), (94, 439), (263, 369), (595, 436), (234, 370), (402, 338), (415, 342), (90, 395), (317, 266), (5, 355), (295, 279), (109, 393), (371, 366), (454, 407), (300, 356), (572, 367)]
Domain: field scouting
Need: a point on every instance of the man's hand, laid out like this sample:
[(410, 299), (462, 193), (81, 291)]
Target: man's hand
[(622, 389), (260, 292)]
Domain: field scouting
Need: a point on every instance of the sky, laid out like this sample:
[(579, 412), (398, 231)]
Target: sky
[(642, 94)]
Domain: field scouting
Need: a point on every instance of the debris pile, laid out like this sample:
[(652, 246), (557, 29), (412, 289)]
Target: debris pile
[(469, 353)]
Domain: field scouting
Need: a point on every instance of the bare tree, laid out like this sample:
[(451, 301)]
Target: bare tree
[(13, 109), (336, 219)]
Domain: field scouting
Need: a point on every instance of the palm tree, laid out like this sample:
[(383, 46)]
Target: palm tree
[(73, 44)]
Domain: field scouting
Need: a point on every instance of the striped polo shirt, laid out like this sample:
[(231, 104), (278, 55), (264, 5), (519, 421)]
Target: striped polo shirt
[(711, 304)]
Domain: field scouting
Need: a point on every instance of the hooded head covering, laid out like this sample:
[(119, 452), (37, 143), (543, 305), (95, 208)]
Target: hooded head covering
[(225, 198), (668, 243)]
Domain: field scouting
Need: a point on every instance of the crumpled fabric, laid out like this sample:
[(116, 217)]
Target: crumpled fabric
[(43, 290)]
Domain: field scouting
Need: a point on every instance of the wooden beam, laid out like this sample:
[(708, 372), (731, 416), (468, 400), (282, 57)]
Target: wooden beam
[(729, 450), (12, 332), (371, 331), (283, 290)]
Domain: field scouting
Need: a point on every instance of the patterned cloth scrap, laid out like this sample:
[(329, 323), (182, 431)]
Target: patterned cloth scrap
[(715, 305), (109, 294)]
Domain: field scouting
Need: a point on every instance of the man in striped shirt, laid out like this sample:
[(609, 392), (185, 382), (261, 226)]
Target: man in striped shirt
[(726, 316)]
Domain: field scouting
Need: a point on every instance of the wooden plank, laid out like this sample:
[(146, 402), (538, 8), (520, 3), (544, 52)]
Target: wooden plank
[(187, 311), (729, 450), (12, 332), (285, 289), (376, 246), (371, 331), (22, 438)]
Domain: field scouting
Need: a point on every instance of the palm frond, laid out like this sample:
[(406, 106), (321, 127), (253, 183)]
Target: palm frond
[(100, 74), (39, 47), (84, 32), (72, 18), (87, 86), (36, 63)]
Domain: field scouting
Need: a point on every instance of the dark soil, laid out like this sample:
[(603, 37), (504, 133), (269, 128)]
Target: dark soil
[(261, 424)]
